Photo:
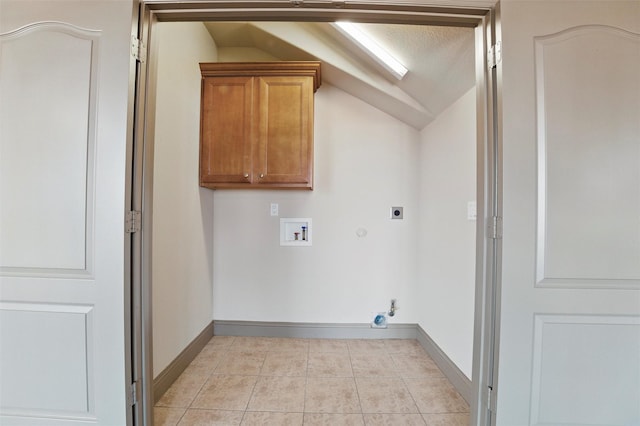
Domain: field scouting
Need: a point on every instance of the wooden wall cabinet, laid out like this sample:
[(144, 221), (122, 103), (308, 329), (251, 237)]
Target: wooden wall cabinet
[(256, 124)]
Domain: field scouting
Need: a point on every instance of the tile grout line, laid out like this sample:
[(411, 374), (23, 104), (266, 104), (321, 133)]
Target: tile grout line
[(404, 383), (199, 390), (306, 384), (253, 389), (355, 382)]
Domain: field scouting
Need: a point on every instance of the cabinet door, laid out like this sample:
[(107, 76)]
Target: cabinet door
[(284, 154), (226, 130)]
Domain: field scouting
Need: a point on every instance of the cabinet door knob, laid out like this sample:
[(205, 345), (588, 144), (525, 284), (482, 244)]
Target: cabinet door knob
[(246, 175), (261, 175)]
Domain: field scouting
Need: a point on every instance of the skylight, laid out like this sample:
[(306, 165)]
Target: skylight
[(372, 48)]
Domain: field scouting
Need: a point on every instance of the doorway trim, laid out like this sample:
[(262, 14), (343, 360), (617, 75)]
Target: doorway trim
[(483, 16)]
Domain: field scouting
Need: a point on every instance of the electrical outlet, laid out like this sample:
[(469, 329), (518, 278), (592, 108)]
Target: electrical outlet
[(397, 212), (274, 209), (471, 210)]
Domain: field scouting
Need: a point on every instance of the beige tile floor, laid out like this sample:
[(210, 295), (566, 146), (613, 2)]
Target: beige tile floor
[(275, 381)]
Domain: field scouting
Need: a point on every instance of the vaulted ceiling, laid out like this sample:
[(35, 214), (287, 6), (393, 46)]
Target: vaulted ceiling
[(440, 61)]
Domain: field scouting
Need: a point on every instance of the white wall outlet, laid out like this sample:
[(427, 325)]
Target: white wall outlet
[(471, 210), (274, 209)]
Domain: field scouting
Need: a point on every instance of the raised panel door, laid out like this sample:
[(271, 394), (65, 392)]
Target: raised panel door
[(64, 79), (570, 295)]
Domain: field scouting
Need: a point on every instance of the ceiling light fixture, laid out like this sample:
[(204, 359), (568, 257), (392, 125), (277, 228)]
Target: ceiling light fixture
[(372, 48)]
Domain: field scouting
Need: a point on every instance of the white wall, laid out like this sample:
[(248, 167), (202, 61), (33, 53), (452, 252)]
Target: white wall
[(240, 54), (182, 211), (446, 276), (365, 163)]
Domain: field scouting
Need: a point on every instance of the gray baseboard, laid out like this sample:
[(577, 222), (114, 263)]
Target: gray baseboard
[(457, 378), (171, 373), (313, 330)]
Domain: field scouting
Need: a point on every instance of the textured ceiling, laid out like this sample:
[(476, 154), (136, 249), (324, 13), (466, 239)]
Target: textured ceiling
[(440, 61)]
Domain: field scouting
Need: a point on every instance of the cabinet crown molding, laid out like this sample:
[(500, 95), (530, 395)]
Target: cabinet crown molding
[(280, 68)]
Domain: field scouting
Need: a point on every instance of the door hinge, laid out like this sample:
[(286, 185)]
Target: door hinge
[(495, 228), (494, 55), (138, 49), (134, 391), (133, 221)]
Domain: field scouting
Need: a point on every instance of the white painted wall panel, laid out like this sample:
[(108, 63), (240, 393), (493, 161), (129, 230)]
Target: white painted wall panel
[(46, 147), (445, 292), (578, 363), (48, 350), (182, 276)]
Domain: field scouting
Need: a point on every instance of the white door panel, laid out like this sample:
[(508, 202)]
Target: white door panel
[(588, 106), (571, 388), (64, 70), (570, 300), (44, 112), (46, 357)]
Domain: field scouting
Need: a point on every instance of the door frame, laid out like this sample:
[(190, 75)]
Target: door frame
[(483, 16), (138, 333)]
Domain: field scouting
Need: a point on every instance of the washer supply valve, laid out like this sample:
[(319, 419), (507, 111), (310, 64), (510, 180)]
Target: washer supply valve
[(392, 310)]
